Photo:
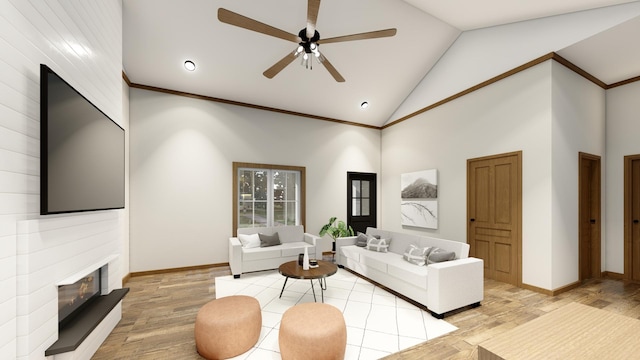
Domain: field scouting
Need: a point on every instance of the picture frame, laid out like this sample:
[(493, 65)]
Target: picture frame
[(419, 199)]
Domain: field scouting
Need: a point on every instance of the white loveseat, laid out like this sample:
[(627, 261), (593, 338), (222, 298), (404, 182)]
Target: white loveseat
[(441, 287), (293, 240)]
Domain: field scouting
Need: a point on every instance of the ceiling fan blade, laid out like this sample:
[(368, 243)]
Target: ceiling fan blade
[(277, 67), (231, 18), (361, 36), (313, 6), (336, 75)]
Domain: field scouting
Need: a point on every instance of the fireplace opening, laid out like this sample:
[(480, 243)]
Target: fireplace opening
[(74, 297)]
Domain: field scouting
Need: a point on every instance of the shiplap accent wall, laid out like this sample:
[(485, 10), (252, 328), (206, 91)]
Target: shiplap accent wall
[(82, 41)]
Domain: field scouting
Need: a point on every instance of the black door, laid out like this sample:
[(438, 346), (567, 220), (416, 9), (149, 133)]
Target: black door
[(361, 200)]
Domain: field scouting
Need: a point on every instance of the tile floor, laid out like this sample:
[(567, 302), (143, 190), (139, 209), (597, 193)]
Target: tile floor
[(378, 323)]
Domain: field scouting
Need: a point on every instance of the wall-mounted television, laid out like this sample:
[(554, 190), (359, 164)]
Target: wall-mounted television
[(82, 151)]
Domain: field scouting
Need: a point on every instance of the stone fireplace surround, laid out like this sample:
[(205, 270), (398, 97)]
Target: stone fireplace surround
[(57, 250)]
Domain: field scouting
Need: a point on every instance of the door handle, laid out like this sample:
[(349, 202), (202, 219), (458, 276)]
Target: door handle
[(472, 220), (593, 221), (636, 221)]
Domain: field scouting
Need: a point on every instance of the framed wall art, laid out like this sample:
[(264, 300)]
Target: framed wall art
[(419, 199)]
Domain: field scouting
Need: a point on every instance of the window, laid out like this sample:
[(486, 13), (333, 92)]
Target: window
[(267, 195), (360, 200)]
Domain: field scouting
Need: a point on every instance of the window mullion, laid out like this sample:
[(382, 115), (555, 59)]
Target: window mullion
[(270, 203)]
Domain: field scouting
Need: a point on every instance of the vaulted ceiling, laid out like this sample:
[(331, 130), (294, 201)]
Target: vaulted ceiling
[(159, 35)]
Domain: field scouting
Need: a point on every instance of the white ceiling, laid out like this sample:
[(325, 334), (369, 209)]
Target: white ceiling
[(470, 14), (159, 35)]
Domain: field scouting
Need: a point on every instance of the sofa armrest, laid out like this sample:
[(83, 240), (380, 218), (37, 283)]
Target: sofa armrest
[(235, 256), (311, 239), (340, 242), (454, 284), (314, 240)]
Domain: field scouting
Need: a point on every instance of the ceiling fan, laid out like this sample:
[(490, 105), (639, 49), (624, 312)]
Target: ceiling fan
[(308, 39)]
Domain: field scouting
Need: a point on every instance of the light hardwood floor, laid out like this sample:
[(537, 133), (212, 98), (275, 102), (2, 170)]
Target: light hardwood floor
[(160, 310)]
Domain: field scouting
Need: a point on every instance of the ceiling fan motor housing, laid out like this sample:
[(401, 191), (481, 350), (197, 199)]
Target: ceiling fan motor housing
[(306, 42)]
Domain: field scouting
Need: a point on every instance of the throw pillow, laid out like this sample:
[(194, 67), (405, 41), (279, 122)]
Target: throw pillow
[(416, 255), (269, 240), (361, 240), (379, 245), (249, 240), (439, 255)]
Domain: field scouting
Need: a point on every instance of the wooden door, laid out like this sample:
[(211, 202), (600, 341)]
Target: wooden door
[(494, 208), (361, 201), (589, 216), (632, 218)]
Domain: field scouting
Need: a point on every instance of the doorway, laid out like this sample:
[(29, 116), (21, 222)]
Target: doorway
[(589, 216), (494, 210), (361, 201), (632, 218)]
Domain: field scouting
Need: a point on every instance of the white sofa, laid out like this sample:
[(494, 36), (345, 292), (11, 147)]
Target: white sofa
[(441, 287), (293, 239)]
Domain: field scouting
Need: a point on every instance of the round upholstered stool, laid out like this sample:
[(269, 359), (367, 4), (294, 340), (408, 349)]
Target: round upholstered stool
[(312, 331), (228, 327)]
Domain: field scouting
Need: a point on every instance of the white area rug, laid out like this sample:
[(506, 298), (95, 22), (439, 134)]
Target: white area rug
[(378, 322)]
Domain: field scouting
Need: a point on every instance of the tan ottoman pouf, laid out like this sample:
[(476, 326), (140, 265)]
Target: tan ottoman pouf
[(228, 326), (312, 331)]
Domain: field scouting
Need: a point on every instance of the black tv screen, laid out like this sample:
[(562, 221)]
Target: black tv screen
[(82, 165)]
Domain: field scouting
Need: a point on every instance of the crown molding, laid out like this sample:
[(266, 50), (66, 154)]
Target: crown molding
[(550, 56)]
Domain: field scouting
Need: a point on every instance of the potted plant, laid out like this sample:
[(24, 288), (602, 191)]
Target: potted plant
[(336, 230)]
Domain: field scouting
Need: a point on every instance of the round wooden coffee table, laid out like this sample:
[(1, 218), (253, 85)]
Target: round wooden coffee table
[(291, 269)]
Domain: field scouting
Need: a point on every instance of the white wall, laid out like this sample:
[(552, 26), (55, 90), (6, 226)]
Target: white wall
[(479, 55), (82, 41), (124, 249), (623, 128), (181, 171), (578, 126), (511, 115)]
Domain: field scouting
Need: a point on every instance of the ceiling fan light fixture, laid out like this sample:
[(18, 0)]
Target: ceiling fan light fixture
[(189, 65)]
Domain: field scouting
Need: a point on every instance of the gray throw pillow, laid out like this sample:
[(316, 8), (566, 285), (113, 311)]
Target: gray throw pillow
[(269, 240), (416, 255), (361, 240), (439, 255)]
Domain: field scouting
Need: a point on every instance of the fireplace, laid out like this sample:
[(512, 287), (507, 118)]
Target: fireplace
[(74, 297), (82, 307)]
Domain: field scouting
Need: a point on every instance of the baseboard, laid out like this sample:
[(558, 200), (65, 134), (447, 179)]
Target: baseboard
[(536, 289), (554, 292), (612, 275), (164, 271)]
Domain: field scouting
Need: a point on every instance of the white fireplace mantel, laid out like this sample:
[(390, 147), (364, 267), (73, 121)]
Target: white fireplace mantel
[(89, 269)]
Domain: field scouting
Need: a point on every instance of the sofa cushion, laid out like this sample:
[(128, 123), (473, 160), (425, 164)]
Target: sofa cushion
[(407, 272), (379, 245), (351, 252), (296, 248), (269, 240), (416, 255), (375, 260), (261, 253), (249, 240), (439, 255)]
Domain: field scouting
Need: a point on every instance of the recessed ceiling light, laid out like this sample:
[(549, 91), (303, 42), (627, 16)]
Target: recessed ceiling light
[(189, 65), (364, 105)]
